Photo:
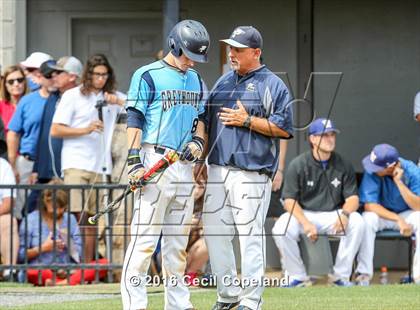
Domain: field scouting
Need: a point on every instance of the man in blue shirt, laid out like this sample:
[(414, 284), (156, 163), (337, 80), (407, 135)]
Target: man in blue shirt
[(22, 137), (247, 112), (390, 193)]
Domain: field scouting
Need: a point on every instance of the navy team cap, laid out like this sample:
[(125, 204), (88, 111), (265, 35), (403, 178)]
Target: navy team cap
[(321, 126), (245, 36), (381, 157)]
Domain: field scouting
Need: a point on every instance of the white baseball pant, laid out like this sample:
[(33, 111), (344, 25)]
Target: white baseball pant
[(287, 234), (165, 206), (236, 198), (374, 224)]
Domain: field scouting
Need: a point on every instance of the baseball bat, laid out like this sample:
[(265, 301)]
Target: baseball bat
[(163, 163)]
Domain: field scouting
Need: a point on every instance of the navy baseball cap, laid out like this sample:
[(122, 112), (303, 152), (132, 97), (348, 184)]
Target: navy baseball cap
[(245, 36), (381, 157), (321, 126), (47, 68)]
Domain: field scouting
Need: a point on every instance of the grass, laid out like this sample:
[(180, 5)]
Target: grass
[(319, 297)]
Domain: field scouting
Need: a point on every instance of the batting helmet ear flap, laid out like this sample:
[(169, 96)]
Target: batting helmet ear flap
[(174, 46)]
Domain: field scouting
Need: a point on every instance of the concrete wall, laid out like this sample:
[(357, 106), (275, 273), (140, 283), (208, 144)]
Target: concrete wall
[(375, 44), (12, 32)]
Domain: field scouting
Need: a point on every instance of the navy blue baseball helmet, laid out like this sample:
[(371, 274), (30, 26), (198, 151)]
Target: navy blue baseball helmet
[(190, 38)]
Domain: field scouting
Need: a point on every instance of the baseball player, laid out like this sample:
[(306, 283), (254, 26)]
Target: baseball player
[(246, 114), (390, 194), (320, 195), (164, 109)]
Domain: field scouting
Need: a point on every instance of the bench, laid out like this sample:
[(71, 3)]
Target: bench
[(389, 234), (318, 259)]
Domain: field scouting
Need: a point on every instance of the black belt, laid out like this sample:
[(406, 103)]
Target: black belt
[(161, 149), (28, 157)]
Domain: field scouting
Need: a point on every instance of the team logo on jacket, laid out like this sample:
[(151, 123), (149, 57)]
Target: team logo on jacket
[(336, 182), (310, 183), (250, 87)]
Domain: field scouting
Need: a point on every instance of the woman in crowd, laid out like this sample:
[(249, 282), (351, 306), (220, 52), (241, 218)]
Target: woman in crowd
[(13, 87), (41, 244)]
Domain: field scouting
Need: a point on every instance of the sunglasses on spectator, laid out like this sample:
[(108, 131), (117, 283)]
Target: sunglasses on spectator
[(99, 74), (30, 70), (12, 81), (50, 74)]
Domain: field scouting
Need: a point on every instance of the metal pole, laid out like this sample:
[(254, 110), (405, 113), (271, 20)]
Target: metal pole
[(170, 12)]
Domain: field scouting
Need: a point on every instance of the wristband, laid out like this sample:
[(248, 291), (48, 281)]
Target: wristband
[(133, 157), (200, 161)]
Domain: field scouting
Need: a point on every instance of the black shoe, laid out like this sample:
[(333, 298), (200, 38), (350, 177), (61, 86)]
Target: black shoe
[(224, 306)]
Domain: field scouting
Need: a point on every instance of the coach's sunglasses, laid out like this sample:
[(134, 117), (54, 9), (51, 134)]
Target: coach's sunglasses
[(12, 81)]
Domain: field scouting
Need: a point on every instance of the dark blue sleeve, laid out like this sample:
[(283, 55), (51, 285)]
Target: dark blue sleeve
[(135, 118), (281, 114)]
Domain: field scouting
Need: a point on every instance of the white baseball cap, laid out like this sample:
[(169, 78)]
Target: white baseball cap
[(35, 60), (69, 64)]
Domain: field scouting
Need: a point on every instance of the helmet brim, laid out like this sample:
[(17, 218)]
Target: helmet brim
[(195, 57)]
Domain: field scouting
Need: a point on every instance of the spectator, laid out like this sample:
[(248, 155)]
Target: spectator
[(66, 74), (22, 138), (85, 149), (320, 195), (47, 246), (3, 148), (12, 88), (32, 66), (390, 193), (197, 253), (7, 222)]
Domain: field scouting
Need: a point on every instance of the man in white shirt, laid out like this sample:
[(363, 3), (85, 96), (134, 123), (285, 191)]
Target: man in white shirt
[(86, 152), (7, 220)]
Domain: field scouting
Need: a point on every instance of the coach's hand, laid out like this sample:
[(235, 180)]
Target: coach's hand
[(234, 117), (200, 173), (310, 231), (193, 150)]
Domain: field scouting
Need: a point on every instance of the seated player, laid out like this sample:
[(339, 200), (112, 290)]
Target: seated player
[(320, 195), (390, 193)]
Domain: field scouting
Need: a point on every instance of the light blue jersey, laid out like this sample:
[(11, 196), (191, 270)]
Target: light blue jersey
[(170, 100)]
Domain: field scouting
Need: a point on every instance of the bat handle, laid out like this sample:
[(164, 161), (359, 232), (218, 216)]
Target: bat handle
[(94, 219)]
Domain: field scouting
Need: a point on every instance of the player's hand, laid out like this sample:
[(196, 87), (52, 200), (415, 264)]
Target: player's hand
[(193, 149), (96, 126), (397, 174), (310, 231), (113, 98), (277, 181), (405, 229), (341, 224), (233, 117), (135, 173)]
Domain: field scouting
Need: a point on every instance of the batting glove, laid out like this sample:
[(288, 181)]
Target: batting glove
[(135, 168), (193, 150)]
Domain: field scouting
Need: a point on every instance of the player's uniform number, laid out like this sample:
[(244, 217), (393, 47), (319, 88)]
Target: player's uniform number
[(194, 125)]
